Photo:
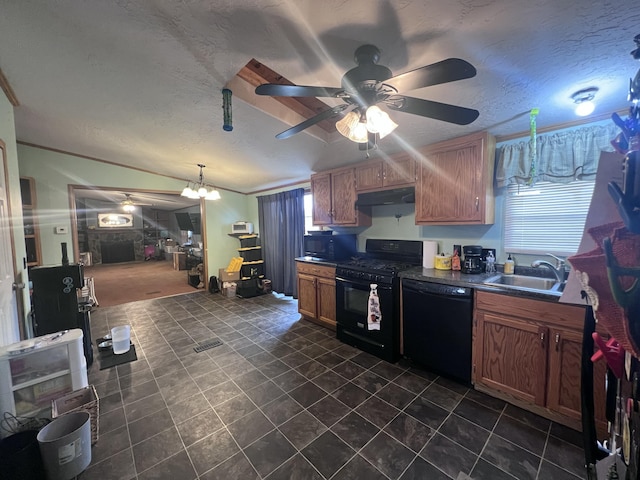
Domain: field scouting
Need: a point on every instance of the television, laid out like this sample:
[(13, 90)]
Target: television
[(184, 221)]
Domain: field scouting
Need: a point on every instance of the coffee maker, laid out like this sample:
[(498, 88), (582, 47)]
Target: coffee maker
[(472, 262)]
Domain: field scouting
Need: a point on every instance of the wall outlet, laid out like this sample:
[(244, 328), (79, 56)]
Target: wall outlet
[(61, 230)]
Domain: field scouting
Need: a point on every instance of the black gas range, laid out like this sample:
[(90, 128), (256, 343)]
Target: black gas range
[(380, 264)]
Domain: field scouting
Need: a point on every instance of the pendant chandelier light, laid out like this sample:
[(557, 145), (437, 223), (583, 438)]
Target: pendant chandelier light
[(356, 125), (200, 189)]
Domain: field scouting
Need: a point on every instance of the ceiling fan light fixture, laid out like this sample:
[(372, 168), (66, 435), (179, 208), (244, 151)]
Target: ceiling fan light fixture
[(584, 101), (359, 134), (378, 121), (128, 208), (347, 123)]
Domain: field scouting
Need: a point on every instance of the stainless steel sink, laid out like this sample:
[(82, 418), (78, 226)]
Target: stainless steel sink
[(524, 282)]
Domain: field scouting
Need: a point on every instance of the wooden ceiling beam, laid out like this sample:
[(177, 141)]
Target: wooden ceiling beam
[(256, 73)]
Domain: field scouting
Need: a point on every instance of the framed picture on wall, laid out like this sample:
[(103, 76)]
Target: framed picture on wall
[(115, 220)]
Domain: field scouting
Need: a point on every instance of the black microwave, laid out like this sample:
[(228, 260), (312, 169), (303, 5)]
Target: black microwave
[(330, 247)]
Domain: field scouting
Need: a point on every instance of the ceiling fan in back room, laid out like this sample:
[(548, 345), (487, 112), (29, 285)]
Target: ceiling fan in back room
[(369, 85), (129, 205)]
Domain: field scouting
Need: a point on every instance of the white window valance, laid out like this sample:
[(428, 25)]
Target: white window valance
[(562, 157)]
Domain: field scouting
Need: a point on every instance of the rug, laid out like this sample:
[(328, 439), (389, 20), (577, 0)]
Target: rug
[(109, 359)]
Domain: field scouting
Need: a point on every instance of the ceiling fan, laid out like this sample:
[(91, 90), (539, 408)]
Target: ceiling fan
[(128, 205), (368, 85)]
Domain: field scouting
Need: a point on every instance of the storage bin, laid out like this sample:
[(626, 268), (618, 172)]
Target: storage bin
[(250, 254), (83, 400), (252, 270), (248, 288), (248, 241)]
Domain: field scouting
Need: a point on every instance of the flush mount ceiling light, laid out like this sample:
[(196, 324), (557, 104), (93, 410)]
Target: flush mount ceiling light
[(584, 101), (200, 189), (356, 126)]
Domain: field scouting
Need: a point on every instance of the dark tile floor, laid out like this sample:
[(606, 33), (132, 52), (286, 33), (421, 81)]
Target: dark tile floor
[(283, 399)]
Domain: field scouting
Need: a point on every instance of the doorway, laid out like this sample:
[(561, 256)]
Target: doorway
[(133, 230)]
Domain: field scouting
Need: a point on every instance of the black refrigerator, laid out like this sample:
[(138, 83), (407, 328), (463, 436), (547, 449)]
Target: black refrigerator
[(55, 302)]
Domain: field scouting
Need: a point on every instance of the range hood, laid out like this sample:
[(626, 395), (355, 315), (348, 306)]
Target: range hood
[(387, 197)]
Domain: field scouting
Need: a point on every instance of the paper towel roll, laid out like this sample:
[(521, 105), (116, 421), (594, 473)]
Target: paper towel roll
[(429, 251)]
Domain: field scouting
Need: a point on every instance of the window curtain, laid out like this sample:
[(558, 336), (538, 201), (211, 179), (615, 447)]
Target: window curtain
[(281, 218), (562, 157)]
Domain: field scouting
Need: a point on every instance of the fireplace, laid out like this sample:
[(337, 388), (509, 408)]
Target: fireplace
[(117, 252), (116, 245)]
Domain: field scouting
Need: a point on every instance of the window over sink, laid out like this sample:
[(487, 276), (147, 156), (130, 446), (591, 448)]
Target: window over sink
[(546, 217)]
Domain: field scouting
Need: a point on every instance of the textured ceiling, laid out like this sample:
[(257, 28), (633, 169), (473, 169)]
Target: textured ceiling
[(139, 83)]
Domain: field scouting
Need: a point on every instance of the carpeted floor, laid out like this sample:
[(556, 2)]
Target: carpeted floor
[(119, 283)]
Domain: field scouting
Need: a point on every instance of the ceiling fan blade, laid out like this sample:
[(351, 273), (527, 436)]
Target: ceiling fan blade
[(312, 121), (276, 90), (431, 109), (448, 70)]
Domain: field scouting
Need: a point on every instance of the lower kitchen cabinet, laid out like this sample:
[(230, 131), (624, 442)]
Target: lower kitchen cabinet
[(317, 293), (529, 351)]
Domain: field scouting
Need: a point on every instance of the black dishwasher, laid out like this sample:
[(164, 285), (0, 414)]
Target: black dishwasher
[(437, 327)]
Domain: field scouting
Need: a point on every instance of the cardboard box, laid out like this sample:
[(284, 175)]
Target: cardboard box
[(224, 276)]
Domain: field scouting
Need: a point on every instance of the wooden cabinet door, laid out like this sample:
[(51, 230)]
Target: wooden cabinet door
[(449, 187), (321, 194), (511, 356), (307, 301), (565, 353), (399, 170), (326, 290), (369, 176), (454, 185), (343, 193)]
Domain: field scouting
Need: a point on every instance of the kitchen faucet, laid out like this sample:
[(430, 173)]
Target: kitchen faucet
[(557, 269)]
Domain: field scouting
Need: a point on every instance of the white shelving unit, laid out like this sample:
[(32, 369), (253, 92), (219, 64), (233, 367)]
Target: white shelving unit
[(36, 371)]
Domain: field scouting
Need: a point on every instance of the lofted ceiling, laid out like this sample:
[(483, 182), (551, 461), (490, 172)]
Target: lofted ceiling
[(139, 83)]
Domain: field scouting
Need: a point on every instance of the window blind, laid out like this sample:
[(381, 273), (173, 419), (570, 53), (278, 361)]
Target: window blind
[(547, 217)]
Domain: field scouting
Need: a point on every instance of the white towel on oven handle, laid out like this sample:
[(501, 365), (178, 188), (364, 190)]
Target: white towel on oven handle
[(374, 316)]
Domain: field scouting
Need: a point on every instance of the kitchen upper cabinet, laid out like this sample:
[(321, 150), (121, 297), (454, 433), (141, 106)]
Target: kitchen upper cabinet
[(334, 198), (529, 351), (317, 293), (397, 171), (454, 183), (321, 192)]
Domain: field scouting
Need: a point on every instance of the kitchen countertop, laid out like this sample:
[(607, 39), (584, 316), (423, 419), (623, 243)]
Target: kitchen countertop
[(457, 278), (319, 261)]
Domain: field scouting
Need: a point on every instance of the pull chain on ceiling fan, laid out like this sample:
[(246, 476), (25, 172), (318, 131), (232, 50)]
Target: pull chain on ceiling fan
[(368, 85)]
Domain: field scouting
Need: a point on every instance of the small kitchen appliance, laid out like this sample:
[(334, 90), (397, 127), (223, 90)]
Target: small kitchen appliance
[(330, 247), (472, 259), (241, 228)]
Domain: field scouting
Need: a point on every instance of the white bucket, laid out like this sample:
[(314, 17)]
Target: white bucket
[(65, 445)]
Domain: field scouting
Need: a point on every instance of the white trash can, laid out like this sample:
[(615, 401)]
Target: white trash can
[(65, 445)]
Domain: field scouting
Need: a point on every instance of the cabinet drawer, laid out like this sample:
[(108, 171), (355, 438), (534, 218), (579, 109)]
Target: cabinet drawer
[(317, 270)]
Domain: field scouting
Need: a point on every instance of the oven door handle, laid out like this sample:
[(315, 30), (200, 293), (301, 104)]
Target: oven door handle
[(363, 284)]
